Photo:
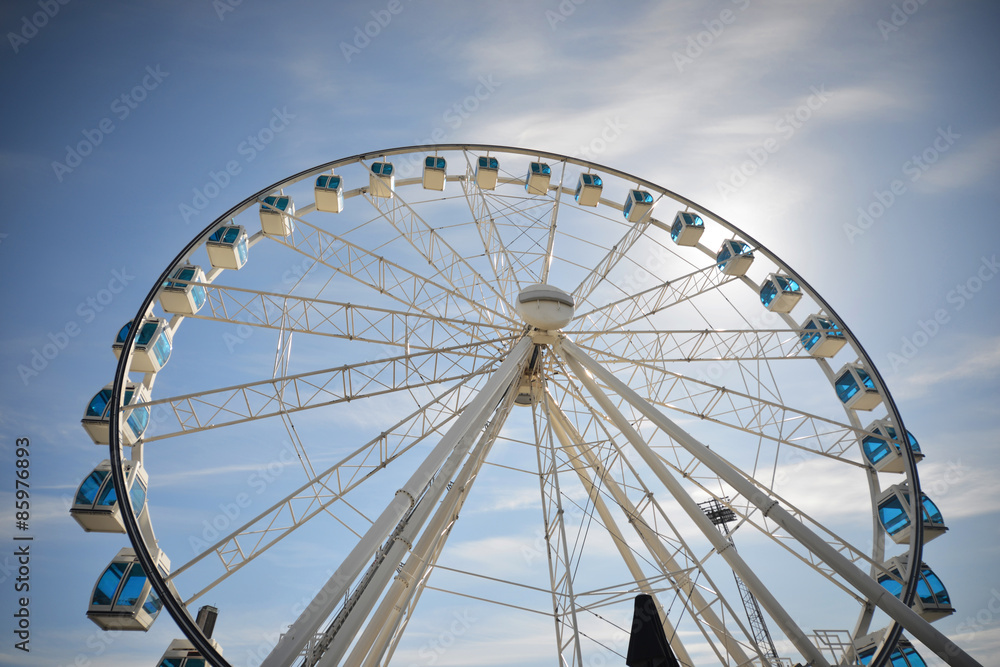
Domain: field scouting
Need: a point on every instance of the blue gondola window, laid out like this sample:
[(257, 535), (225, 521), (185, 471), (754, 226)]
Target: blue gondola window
[(128, 594), (99, 404), (770, 291), (906, 656), (328, 181), (931, 513), (892, 515), (690, 220), (865, 378), (930, 589), (382, 168), (138, 419), (132, 589), (106, 587), (275, 202), (90, 487), (137, 495), (489, 163), (434, 162), (197, 291), (108, 495), (731, 249), (182, 662), (846, 387), (829, 327), (876, 448), (161, 348), (909, 436)]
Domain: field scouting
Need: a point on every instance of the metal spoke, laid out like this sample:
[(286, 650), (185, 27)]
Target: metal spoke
[(444, 261), (648, 302), (385, 276), (297, 508), (337, 319), (227, 406)]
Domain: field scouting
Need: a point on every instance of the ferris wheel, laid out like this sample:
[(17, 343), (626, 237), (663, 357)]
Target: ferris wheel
[(519, 389)]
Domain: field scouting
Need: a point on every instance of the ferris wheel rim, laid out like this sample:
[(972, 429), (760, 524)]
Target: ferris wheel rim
[(173, 604)]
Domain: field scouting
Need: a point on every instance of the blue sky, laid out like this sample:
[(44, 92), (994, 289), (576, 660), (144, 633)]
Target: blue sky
[(859, 141)]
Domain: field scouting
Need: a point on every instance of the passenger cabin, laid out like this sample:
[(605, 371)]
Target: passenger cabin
[(187, 297), (276, 213), (882, 448), (822, 337), (734, 258), (228, 247), (588, 190), (96, 506), (329, 192), (894, 511), (123, 598), (904, 655), (487, 172), (637, 205), (435, 173), (687, 228), (537, 180), (152, 348), (856, 389), (931, 601), (381, 180), (779, 293), (97, 419), (182, 653)]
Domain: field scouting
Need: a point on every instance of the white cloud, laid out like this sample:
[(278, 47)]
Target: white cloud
[(972, 360), (960, 490), (973, 160)]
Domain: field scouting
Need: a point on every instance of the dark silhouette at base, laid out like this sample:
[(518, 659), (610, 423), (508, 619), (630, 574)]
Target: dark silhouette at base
[(647, 646)]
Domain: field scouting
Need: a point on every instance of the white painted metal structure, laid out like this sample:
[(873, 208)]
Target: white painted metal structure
[(332, 472)]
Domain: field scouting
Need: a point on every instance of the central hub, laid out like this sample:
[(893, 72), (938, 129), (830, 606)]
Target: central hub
[(545, 307)]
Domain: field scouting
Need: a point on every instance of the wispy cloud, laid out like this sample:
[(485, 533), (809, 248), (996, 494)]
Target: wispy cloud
[(973, 161), (973, 360)]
